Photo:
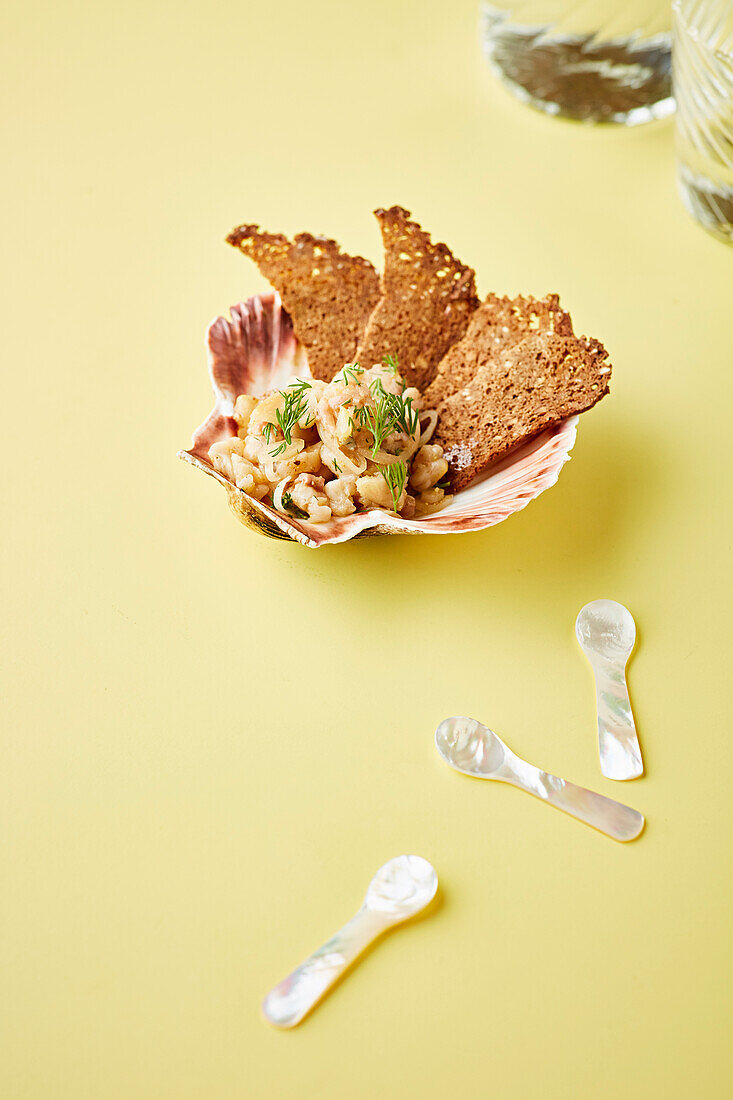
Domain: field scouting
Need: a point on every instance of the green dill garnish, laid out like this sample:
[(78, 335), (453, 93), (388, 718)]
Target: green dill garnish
[(352, 370), (336, 466), (376, 420), (406, 415), (396, 477), (392, 412), (443, 484), (293, 508), (267, 430), (390, 362), (294, 408)]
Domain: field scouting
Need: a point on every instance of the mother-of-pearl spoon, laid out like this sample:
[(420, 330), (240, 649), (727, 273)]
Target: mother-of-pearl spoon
[(398, 891), (607, 632), (476, 750)]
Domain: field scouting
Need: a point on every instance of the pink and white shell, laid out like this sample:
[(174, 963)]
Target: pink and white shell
[(257, 350)]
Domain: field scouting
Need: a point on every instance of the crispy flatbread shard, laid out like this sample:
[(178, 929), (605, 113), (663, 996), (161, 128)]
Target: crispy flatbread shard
[(497, 324), (517, 394), (328, 294), (427, 299)]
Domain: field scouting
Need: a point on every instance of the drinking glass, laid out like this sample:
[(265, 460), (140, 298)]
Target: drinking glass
[(593, 60), (703, 86)]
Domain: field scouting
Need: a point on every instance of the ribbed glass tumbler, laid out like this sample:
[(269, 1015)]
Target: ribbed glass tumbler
[(592, 60), (703, 86)]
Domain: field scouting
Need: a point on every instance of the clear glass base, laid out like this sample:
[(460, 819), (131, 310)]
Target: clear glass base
[(624, 80), (711, 204), (703, 86)]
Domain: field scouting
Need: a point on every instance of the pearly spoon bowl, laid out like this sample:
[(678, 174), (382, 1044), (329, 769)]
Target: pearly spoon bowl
[(401, 889), (474, 749), (606, 633), (470, 747)]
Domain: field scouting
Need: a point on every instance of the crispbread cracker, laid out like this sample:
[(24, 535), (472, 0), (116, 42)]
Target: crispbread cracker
[(328, 294), (427, 298), (498, 323), (514, 395)]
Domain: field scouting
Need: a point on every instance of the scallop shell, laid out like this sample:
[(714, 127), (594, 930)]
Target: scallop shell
[(257, 350)]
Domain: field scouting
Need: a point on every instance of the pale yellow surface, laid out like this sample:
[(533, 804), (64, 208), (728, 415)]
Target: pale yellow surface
[(210, 740)]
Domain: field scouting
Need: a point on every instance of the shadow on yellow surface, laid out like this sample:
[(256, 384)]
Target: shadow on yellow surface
[(614, 486)]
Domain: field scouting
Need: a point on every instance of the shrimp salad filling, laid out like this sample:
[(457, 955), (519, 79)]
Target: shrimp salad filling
[(318, 450)]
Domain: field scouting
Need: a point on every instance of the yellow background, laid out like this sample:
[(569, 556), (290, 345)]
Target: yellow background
[(212, 740)]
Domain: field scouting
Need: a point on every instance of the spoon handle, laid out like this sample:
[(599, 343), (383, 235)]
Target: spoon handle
[(618, 745), (294, 996), (612, 818)]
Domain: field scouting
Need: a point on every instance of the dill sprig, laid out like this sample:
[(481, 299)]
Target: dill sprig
[(396, 477), (405, 414), (377, 419), (391, 412), (292, 507), (352, 370), (267, 430), (390, 362), (294, 408)]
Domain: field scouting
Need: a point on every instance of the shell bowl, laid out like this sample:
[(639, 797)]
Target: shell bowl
[(256, 350)]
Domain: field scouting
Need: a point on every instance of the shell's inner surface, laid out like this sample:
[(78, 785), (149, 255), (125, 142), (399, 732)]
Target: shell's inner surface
[(255, 350), (402, 887)]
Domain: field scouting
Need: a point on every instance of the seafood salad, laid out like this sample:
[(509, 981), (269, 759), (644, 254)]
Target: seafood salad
[(317, 450)]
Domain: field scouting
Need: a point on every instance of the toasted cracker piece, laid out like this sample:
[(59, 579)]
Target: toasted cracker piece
[(497, 324), (328, 294), (519, 393), (427, 298)]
